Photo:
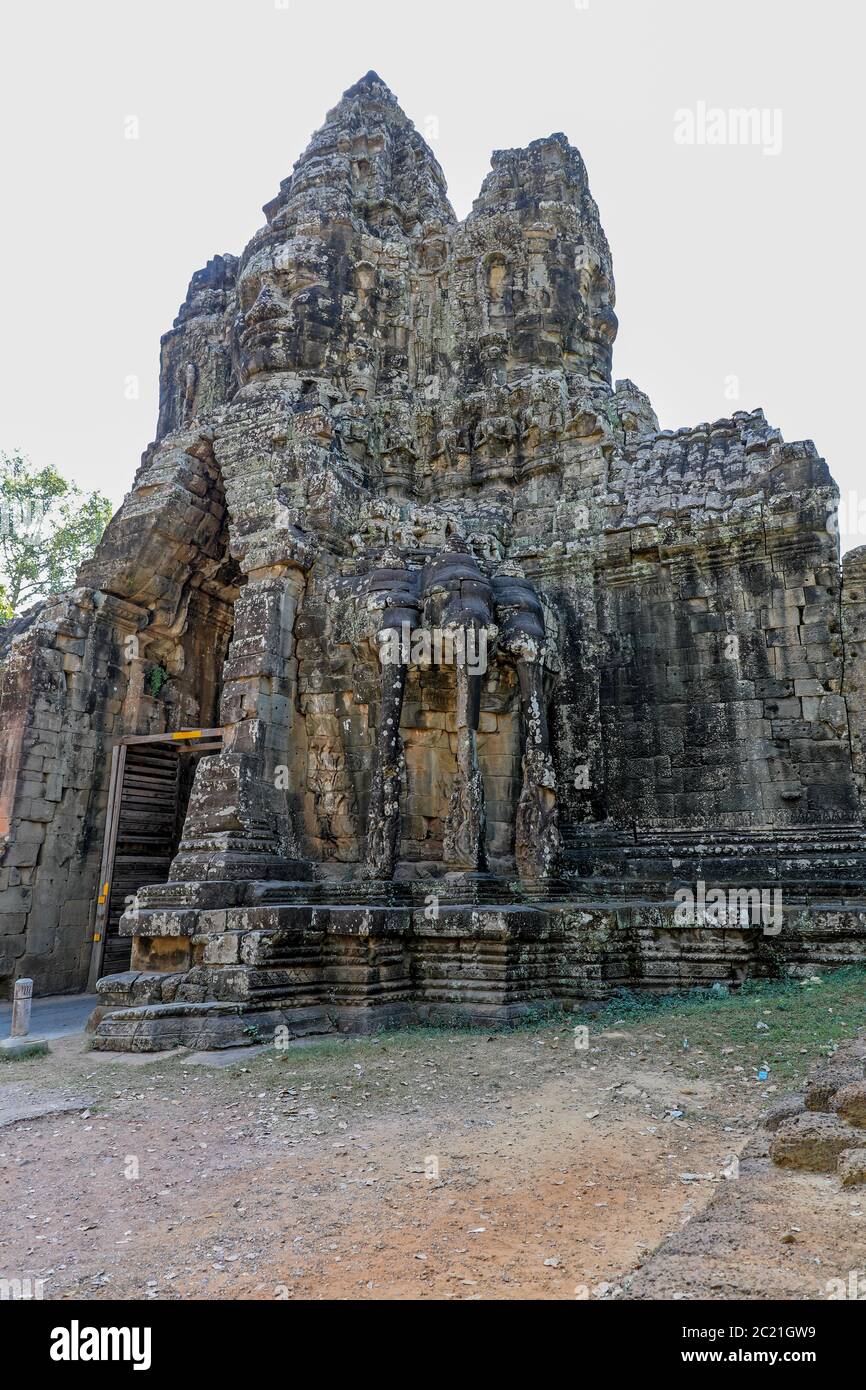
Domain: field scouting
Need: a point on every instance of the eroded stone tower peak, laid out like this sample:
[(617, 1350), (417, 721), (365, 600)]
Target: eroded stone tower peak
[(366, 161), (363, 276)]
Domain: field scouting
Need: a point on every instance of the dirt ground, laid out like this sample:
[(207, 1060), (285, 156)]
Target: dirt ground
[(411, 1165)]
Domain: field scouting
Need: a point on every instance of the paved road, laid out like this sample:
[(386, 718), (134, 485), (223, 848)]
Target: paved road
[(54, 1016)]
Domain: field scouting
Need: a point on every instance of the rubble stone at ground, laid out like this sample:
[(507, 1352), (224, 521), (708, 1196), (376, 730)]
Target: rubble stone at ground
[(830, 1133)]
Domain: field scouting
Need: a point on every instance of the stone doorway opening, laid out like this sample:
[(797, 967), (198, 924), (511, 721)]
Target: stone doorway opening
[(149, 789)]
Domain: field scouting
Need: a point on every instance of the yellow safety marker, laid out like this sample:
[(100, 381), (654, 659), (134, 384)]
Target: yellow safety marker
[(188, 733)]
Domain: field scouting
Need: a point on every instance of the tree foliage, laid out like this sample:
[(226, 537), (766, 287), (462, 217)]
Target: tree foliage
[(48, 527)]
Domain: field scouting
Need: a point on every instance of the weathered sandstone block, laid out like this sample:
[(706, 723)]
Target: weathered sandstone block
[(809, 1141), (829, 1079), (850, 1103), (851, 1167), (786, 1108)]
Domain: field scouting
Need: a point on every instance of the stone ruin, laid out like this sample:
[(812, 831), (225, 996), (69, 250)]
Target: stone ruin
[(823, 1130), (500, 666)]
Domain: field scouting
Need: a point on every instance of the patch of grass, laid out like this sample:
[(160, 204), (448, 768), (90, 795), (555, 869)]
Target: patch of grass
[(26, 1054), (320, 1050), (803, 1020)]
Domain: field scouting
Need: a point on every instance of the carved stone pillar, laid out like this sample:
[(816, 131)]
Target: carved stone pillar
[(393, 589), (464, 841), (536, 836), (383, 826), (237, 825), (458, 599), (521, 637)]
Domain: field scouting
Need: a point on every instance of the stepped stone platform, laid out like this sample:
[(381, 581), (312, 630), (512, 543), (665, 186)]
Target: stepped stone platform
[(310, 957)]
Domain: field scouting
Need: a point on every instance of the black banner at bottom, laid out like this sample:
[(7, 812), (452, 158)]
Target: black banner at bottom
[(59, 1338)]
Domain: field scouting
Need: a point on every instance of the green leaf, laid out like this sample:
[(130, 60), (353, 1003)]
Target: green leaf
[(48, 527)]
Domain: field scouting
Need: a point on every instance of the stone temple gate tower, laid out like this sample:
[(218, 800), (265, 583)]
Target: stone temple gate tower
[(490, 666)]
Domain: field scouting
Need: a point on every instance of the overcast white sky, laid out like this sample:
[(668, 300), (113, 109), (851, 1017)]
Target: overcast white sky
[(729, 262)]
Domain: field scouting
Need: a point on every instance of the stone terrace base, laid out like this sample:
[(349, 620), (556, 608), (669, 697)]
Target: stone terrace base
[(311, 958)]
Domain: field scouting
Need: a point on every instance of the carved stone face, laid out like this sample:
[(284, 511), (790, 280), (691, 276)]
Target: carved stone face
[(602, 322), (563, 310), (289, 307)]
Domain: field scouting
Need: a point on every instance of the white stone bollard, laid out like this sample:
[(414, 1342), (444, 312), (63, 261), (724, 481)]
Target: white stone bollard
[(22, 1000)]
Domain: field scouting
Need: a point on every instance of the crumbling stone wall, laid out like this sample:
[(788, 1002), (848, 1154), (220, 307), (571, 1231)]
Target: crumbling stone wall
[(64, 679), (853, 617), (723, 700), (75, 675)]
